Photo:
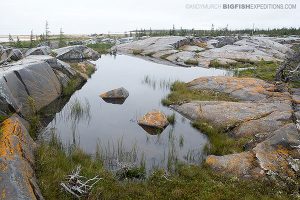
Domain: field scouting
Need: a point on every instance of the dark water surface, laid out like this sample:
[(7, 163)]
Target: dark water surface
[(112, 131)]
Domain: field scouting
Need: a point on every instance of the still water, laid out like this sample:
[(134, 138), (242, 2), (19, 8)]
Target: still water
[(111, 130)]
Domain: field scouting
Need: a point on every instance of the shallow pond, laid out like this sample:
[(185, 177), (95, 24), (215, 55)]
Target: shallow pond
[(111, 130)]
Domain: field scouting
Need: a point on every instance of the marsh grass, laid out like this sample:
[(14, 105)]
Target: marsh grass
[(79, 110), (171, 119), (53, 163), (180, 93), (153, 83), (220, 142)]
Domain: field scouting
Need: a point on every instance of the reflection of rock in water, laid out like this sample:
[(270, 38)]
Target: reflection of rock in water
[(116, 96), (152, 130), (119, 101)]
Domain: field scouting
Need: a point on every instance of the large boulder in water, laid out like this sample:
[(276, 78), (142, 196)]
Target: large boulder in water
[(77, 52), (154, 122), (43, 50), (116, 96)]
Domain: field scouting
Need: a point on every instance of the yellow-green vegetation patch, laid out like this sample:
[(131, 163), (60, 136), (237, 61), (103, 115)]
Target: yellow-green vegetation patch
[(84, 67), (180, 93), (191, 62), (188, 182), (220, 142), (137, 51), (72, 85), (102, 48), (264, 70)]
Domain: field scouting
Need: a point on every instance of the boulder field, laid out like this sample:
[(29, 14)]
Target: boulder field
[(27, 86), (187, 51), (265, 113)]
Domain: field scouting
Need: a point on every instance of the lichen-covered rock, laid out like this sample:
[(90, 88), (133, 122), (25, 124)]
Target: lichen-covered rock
[(16, 161), (274, 153), (245, 89), (155, 119), (77, 52), (43, 50), (239, 164), (117, 96)]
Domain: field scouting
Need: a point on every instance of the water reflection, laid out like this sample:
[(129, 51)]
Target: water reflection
[(111, 132)]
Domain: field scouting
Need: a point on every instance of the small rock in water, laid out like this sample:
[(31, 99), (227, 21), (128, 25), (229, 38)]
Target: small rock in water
[(116, 96), (154, 122)]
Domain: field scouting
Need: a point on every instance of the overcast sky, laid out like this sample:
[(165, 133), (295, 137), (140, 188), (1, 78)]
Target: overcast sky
[(103, 16)]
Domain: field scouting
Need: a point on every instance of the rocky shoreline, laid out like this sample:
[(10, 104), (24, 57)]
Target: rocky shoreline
[(27, 86), (266, 114)]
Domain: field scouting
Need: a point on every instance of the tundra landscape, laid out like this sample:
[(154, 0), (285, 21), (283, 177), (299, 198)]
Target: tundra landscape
[(166, 112)]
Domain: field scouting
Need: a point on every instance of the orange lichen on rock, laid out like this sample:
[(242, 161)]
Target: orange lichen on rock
[(155, 119)]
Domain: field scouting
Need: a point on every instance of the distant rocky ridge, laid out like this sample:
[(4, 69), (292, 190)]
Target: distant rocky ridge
[(187, 51)]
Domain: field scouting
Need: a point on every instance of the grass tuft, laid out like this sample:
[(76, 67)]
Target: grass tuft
[(102, 48), (180, 93), (171, 119)]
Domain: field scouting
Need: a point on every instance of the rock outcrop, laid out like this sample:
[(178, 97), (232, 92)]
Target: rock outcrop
[(10, 54), (77, 52), (178, 50), (43, 50), (264, 115), (17, 174)]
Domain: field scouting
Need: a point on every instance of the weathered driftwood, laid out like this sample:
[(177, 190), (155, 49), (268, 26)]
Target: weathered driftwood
[(78, 185), (289, 69)]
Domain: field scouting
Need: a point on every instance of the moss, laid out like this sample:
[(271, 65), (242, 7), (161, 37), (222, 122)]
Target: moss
[(102, 48), (180, 93), (191, 62), (164, 57), (137, 51), (72, 86), (220, 142)]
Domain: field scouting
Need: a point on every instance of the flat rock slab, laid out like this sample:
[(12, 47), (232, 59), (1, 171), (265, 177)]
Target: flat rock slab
[(230, 114), (154, 119), (244, 89)]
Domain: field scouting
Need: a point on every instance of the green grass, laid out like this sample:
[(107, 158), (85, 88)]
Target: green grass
[(102, 48), (72, 86), (171, 119), (180, 93), (189, 182), (191, 62), (263, 70), (220, 142)]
